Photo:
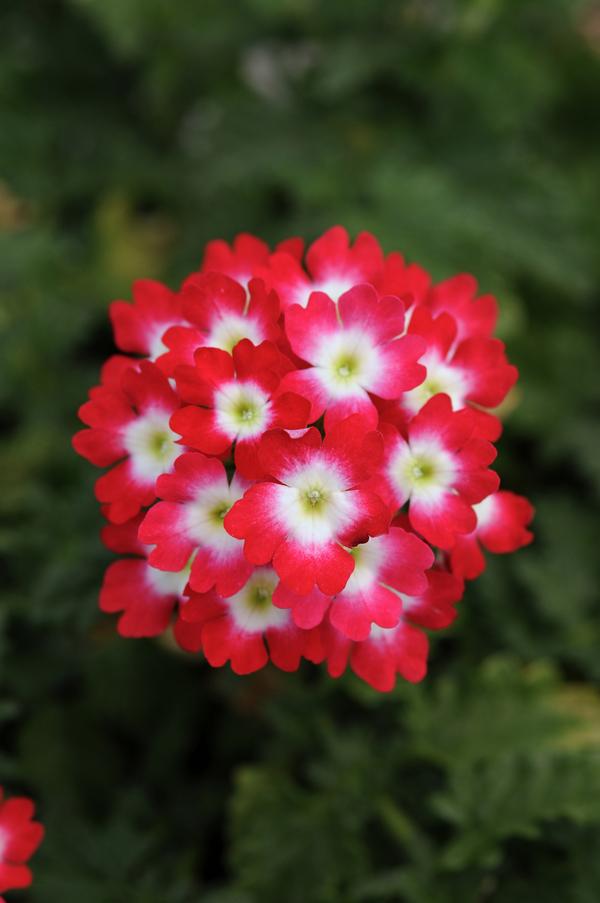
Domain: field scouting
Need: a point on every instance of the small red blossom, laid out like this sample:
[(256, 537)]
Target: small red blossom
[(129, 425), (20, 836), (502, 522), (298, 448), (234, 400), (356, 349)]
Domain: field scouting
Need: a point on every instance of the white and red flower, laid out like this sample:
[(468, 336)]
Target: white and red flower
[(220, 313), (385, 567), (355, 349), (259, 537), (387, 652), (129, 425), (233, 400), (245, 257), (502, 522), (246, 629), (139, 327), (20, 836), (334, 266), (186, 526), (440, 469), (315, 507), (145, 596), (472, 372)]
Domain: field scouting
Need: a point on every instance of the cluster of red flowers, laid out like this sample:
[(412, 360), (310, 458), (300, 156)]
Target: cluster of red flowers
[(299, 450), (20, 837)]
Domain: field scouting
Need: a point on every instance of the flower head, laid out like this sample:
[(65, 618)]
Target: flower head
[(298, 448)]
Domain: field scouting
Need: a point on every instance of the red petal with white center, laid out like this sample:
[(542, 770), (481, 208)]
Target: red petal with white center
[(378, 659), (380, 318), (138, 327), (254, 518), (406, 558), (165, 525), (308, 327), (126, 588)]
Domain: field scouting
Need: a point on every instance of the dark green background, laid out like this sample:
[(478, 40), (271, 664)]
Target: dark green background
[(463, 132)]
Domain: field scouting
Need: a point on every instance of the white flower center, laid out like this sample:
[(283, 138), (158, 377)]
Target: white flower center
[(313, 505), (167, 583), (242, 409), (440, 378), (424, 470), (367, 561), (205, 516), (230, 330), (151, 444), (346, 362), (252, 609)]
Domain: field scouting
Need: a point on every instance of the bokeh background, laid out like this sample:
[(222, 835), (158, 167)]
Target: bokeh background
[(464, 133)]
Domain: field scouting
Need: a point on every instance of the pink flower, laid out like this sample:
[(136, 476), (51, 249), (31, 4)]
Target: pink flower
[(300, 457), (502, 521), (246, 629), (20, 837), (234, 400), (333, 264), (129, 425), (221, 314), (139, 327), (440, 469), (355, 349), (314, 507), (384, 567), (146, 596), (186, 528)]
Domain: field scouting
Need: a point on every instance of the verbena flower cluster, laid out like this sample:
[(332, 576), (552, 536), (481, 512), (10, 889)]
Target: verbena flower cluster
[(299, 450), (20, 837)]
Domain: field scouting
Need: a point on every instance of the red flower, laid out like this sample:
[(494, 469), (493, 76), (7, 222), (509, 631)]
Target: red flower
[(502, 520), (474, 371), (314, 507), (246, 257), (440, 469), (139, 327), (246, 629), (333, 264), (386, 652), (385, 567), (146, 596), (276, 540), (221, 314), (187, 527), (233, 401), (20, 837), (131, 425), (354, 349)]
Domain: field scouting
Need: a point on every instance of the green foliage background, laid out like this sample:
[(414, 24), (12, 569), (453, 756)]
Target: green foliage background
[(465, 133)]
